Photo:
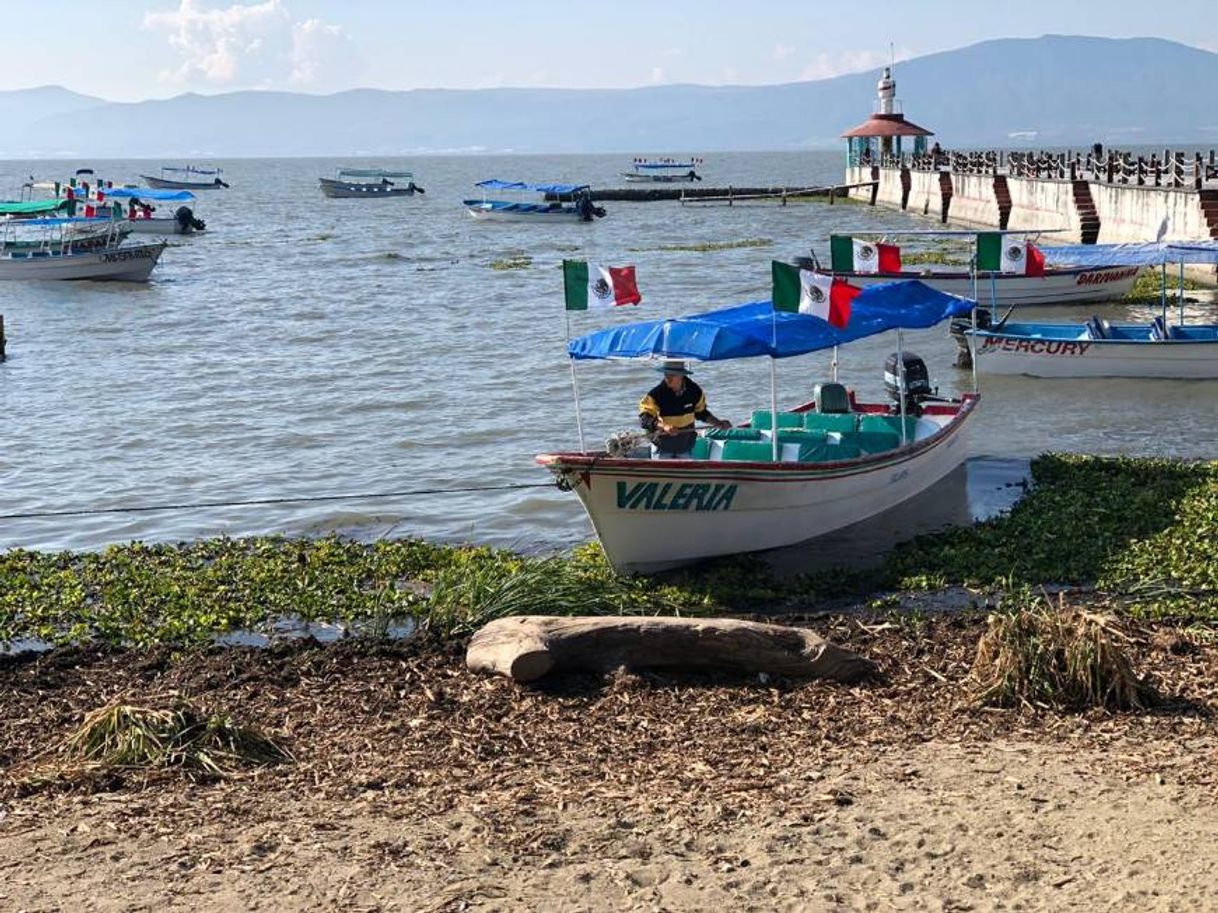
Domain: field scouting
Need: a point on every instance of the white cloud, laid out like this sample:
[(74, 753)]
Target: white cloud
[(825, 66), (256, 45)]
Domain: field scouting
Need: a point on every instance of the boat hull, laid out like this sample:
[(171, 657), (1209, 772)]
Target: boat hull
[(352, 190), (1037, 356), (164, 184), (651, 515), (1064, 286), (486, 213), (128, 263), (154, 226), (633, 177)]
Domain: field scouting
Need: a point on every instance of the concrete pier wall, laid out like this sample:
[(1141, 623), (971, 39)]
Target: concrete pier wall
[(1124, 212)]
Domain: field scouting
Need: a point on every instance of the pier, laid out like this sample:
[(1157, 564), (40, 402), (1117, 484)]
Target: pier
[(729, 195)]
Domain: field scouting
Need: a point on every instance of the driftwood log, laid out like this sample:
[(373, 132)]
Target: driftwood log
[(526, 647)]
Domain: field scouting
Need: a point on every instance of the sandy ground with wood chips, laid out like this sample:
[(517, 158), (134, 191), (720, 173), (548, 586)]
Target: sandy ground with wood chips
[(418, 787)]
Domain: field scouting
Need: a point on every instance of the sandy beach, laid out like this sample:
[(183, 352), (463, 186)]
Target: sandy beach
[(418, 786)]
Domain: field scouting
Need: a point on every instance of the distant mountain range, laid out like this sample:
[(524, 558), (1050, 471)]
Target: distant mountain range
[(1054, 90)]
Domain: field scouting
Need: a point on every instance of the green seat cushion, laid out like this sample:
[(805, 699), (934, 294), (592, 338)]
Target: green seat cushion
[(761, 419), (828, 453), (888, 423), (800, 436), (873, 441), (701, 449), (752, 451), (733, 434), (819, 421)]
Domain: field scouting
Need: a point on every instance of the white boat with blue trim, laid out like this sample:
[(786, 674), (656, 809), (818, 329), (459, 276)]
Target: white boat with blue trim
[(53, 253), (788, 477), (559, 203), (663, 171), (188, 177)]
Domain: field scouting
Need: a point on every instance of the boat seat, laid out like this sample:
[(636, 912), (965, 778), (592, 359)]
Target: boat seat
[(889, 424), (1098, 328), (749, 451), (762, 421), (873, 441), (819, 421), (828, 452), (733, 434), (701, 449), (800, 436), (831, 398)]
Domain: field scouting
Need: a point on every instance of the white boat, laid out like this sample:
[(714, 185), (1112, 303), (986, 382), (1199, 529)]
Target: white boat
[(1097, 349), (186, 178), (663, 171), (54, 255), (369, 183), (1059, 285), (837, 462), (561, 203), (137, 205)]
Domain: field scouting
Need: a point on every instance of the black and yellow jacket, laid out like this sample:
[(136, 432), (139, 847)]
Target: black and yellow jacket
[(677, 409)]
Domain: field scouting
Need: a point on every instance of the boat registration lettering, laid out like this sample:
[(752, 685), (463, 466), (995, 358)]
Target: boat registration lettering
[(1035, 346), (1103, 277), (118, 256), (674, 496)]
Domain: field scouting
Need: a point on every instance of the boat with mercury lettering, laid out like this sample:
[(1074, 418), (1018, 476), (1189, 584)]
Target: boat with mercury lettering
[(789, 476)]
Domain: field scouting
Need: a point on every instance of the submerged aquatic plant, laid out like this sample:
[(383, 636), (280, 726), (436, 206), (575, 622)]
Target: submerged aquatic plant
[(122, 735), (705, 246), (516, 261)]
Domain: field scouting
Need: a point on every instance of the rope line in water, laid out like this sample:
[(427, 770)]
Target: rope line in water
[(262, 502)]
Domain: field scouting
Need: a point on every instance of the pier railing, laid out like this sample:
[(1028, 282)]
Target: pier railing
[(1173, 168)]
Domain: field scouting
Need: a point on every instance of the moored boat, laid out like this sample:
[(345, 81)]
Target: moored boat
[(369, 183), (57, 256), (186, 178), (663, 171), (789, 477), (139, 213), (560, 203)]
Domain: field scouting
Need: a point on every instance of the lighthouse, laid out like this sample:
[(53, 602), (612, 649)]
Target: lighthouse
[(882, 134)]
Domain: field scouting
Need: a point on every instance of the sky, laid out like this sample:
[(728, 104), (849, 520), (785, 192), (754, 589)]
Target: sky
[(129, 50)]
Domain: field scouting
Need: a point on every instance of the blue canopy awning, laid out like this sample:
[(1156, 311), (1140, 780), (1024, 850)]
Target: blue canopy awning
[(496, 184), (150, 193), (1152, 253), (749, 330)]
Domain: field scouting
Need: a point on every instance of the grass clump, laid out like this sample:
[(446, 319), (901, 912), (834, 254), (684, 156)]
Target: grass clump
[(515, 261), (122, 735), (1052, 656), (705, 246), (1148, 287)]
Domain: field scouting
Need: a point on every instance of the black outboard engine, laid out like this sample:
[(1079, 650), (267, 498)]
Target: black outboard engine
[(186, 220), (985, 321), (917, 383)]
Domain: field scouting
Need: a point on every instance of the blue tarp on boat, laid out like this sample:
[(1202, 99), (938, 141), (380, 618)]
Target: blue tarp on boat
[(749, 330), (496, 184), (1153, 253), (150, 193)]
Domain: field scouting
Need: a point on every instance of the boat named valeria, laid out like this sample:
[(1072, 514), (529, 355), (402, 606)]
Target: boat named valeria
[(561, 203), (1013, 279), (369, 183), (789, 476), (186, 178), (663, 171)]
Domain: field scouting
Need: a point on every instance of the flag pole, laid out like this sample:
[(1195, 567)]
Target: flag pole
[(835, 364), (901, 381), (773, 386), (1163, 290), (1180, 292), (579, 421)]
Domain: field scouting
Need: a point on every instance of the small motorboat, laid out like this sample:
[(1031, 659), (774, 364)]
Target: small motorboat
[(560, 203), (186, 178), (369, 183), (663, 171)]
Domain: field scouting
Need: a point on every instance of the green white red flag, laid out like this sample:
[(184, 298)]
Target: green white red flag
[(803, 291), (852, 255), (598, 286)]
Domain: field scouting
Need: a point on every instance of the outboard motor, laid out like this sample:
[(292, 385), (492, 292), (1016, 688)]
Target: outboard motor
[(985, 321), (186, 220), (917, 383)]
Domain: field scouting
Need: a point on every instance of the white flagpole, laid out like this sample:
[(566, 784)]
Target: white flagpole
[(835, 364), (1163, 290), (901, 382), (1180, 292), (773, 386), (579, 421)]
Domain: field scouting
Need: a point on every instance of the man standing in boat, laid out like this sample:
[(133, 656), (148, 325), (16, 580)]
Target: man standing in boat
[(668, 412)]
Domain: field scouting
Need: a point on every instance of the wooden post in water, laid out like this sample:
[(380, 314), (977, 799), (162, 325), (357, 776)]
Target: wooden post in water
[(729, 194), (1, 337)]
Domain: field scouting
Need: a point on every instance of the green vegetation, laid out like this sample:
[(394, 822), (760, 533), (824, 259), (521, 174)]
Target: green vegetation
[(1141, 530), (514, 261), (120, 735), (706, 246), (1148, 287)]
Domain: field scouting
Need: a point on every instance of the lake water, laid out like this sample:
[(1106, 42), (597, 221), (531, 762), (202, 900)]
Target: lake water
[(306, 347)]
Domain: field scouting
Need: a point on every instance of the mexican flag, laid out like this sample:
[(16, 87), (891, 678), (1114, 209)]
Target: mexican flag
[(850, 255), (805, 292), (598, 286), (998, 253)]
